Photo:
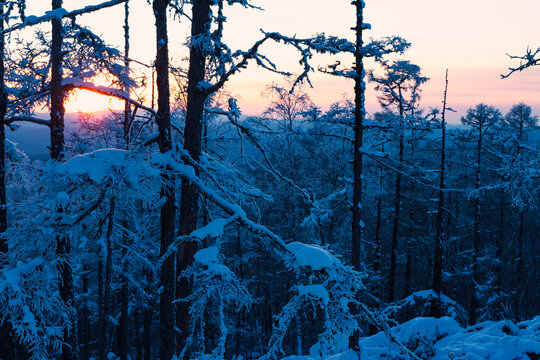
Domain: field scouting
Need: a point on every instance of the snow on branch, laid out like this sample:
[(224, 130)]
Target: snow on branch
[(75, 83), (61, 14), (374, 49), (188, 173), (387, 45), (106, 166), (25, 118), (320, 43)]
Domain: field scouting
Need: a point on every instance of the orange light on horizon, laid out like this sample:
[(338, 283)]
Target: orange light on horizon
[(90, 102)]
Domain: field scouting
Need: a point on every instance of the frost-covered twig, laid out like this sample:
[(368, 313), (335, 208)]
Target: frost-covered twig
[(525, 61)]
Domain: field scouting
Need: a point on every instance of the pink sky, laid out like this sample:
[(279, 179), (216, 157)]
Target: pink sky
[(470, 37)]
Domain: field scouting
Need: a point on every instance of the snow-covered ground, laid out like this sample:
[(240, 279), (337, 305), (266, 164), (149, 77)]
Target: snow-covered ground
[(445, 339)]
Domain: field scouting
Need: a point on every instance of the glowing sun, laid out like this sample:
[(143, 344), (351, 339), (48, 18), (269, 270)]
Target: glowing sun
[(89, 102)]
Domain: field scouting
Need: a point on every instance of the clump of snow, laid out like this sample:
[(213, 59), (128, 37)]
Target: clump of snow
[(104, 164), (501, 340), (62, 200), (12, 276), (213, 230), (419, 304), (204, 85), (211, 266), (95, 165), (316, 291), (13, 153), (311, 256), (207, 256), (532, 325), (418, 335), (427, 328), (167, 160), (31, 18), (57, 13)]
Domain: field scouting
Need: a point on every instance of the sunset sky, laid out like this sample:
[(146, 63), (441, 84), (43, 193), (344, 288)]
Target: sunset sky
[(470, 37)]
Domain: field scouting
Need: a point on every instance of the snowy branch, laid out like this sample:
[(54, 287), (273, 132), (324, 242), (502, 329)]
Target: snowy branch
[(525, 61), (188, 173), (74, 83), (319, 43), (25, 118), (61, 14)]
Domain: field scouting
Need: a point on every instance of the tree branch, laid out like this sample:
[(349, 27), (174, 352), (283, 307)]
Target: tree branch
[(74, 83), (61, 14), (17, 118)]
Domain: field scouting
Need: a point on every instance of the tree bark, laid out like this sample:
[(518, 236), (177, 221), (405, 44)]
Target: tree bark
[(63, 247), (84, 327), (409, 258), (397, 209), (147, 321), (189, 206), (359, 114), (168, 209), (106, 306), (378, 241), (57, 92), (122, 335), (6, 345), (520, 263), (127, 105)]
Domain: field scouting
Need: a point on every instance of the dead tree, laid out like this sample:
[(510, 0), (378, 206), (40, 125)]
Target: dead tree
[(439, 235)]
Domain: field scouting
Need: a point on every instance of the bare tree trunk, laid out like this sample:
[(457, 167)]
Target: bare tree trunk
[(6, 345), (473, 308), (101, 296), (520, 262), (147, 322), (498, 268), (168, 209), (3, 111), (138, 335), (397, 209), (520, 265), (359, 114), (189, 206), (63, 247), (377, 259), (85, 315), (439, 236), (378, 241), (103, 334), (127, 106), (57, 92), (122, 337), (408, 264), (240, 313)]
